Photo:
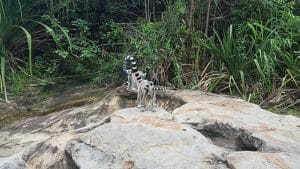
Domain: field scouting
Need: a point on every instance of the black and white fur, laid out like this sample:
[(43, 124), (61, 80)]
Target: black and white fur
[(133, 75), (147, 89), (136, 82)]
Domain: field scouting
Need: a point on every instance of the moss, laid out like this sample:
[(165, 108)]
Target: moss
[(292, 111)]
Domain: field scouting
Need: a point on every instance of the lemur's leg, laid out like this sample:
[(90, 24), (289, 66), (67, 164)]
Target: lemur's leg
[(139, 98), (153, 101), (129, 85), (144, 97)]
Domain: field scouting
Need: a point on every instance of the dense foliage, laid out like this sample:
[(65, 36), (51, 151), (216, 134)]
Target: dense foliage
[(249, 48)]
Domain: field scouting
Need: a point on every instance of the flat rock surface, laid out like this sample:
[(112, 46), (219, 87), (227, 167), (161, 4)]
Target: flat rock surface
[(263, 160), (203, 131)]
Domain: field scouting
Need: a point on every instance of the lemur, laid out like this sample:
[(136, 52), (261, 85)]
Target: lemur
[(133, 75), (136, 81), (147, 89)]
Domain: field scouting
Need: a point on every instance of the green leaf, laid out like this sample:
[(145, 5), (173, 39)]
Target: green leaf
[(2, 11), (29, 43), (50, 30), (2, 80), (65, 34)]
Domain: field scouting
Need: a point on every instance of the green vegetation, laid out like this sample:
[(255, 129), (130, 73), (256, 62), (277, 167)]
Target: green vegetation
[(249, 48)]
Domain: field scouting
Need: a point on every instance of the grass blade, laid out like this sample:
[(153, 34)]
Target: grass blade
[(29, 43), (20, 8), (3, 77), (50, 30), (3, 11), (65, 32)]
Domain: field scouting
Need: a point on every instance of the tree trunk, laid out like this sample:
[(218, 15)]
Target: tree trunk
[(153, 11), (190, 18), (206, 31), (207, 18), (147, 9)]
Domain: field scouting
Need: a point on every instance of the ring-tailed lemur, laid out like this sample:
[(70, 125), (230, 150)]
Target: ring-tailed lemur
[(147, 89), (133, 75), (136, 81)]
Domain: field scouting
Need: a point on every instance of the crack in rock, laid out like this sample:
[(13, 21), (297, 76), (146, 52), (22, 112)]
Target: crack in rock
[(224, 135)]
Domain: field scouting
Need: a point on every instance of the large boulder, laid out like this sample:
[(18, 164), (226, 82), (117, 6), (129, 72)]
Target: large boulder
[(226, 118), (207, 131), (143, 140)]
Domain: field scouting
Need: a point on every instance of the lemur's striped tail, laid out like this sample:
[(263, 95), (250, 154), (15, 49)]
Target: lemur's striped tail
[(160, 88), (134, 70), (129, 64), (126, 66), (134, 77)]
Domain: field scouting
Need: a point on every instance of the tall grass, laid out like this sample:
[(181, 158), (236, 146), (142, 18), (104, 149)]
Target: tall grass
[(292, 62), (263, 50), (225, 50), (18, 19)]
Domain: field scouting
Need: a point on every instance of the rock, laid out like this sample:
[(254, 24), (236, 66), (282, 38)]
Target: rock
[(263, 160), (35, 102), (241, 118), (207, 131), (143, 141), (13, 162)]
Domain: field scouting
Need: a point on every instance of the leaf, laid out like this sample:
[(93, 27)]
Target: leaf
[(65, 33), (50, 30), (2, 80), (258, 67), (3, 11), (20, 8), (29, 43)]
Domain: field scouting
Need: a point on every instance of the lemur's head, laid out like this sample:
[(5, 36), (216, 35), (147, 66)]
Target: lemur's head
[(140, 74)]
